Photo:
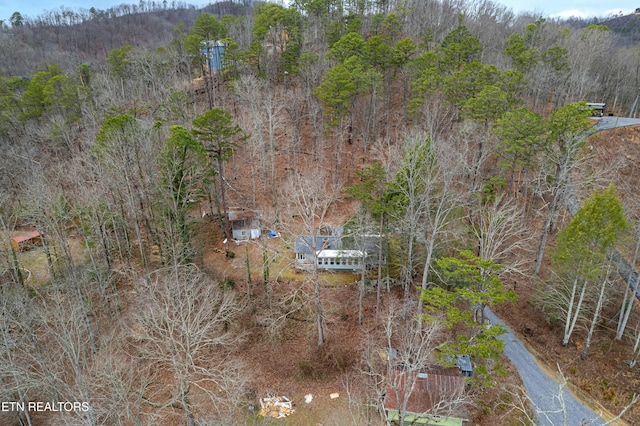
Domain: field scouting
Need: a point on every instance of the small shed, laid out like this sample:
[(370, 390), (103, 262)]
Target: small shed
[(464, 363), (26, 241), (245, 224), (432, 397), (305, 248)]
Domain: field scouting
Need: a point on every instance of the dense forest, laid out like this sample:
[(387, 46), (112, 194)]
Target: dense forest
[(448, 144)]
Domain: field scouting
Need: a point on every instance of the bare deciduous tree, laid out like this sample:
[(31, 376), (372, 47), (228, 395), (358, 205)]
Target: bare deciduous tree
[(118, 381), (423, 188), (567, 132), (185, 324), (68, 347), (630, 291), (265, 110), (18, 380), (499, 234), (310, 197), (274, 316)]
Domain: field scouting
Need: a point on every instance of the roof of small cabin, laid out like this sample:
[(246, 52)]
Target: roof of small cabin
[(341, 253), (212, 43), (464, 362), (304, 244), (235, 215), (27, 237), (431, 389)]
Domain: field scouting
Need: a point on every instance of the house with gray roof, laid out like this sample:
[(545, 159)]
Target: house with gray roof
[(306, 248)]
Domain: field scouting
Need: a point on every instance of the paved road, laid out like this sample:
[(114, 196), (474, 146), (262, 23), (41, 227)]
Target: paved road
[(606, 123), (541, 388)]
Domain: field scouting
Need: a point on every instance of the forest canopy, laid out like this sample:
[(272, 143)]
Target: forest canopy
[(180, 187)]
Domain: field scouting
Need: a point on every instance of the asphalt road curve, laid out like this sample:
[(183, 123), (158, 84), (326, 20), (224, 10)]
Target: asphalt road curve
[(606, 123), (542, 389)]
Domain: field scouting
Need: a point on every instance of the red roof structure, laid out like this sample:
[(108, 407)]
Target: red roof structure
[(20, 242), (26, 237), (433, 391)]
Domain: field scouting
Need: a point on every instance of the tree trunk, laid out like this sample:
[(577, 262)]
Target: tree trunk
[(636, 352), (379, 282), (570, 322), (184, 401), (248, 266), (594, 321), (16, 267), (408, 273), (47, 251), (265, 274), (361, 284), (136, 224), (558, 189), (318, 303), (223, 205), (627, 302)]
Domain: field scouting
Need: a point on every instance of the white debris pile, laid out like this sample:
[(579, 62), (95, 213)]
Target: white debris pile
[(276, 406)]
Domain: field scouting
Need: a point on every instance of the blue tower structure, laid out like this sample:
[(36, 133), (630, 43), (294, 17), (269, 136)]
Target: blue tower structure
[(213, 51)]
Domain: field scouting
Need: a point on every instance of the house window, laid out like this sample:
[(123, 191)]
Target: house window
[(331, 261)]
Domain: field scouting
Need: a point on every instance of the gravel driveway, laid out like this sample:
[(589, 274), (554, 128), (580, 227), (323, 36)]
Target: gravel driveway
[(541, 388)]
